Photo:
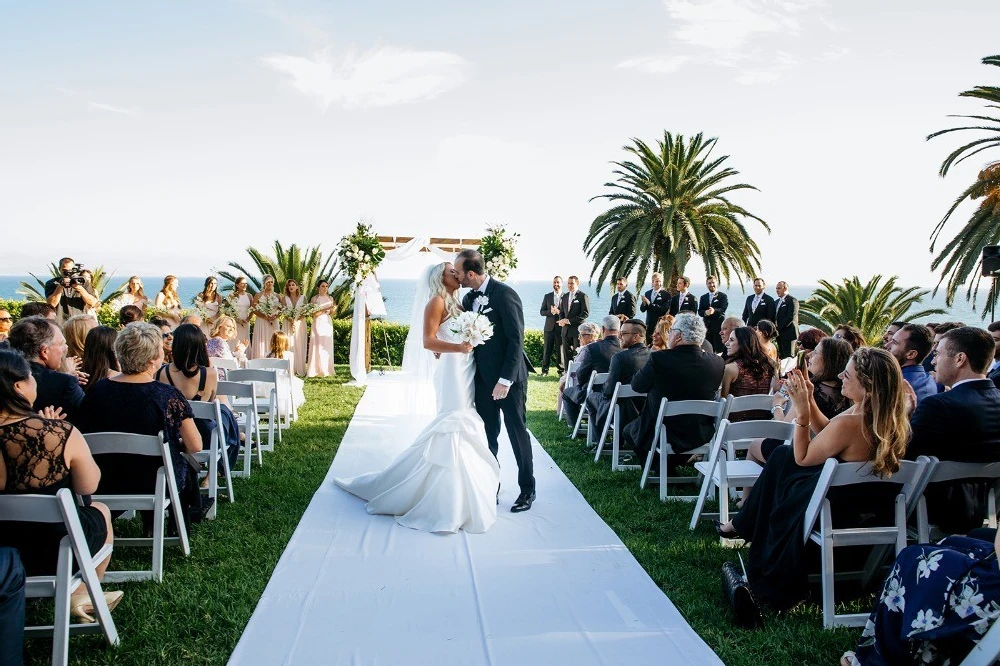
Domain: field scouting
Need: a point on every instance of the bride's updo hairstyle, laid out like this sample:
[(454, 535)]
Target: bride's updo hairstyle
[(435, 282)]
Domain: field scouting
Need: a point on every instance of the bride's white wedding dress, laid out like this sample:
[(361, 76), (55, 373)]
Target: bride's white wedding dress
[(447, 479)]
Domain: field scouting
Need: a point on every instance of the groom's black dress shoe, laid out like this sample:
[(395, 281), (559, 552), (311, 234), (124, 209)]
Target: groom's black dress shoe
[(523, 502)]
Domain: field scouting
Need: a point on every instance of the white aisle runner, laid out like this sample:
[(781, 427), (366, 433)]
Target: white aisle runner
[(553, 585)]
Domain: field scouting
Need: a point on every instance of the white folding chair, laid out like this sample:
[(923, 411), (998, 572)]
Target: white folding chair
[(748, 403), (243, 401), (661, 442), (269, 378), (615, 425), (723, 472), (216, 450), (595, 382), (942, 471), (164, 495), (283, 365), (226, 364), (987, 651), (570, 381), (911, 475), (62, 509)]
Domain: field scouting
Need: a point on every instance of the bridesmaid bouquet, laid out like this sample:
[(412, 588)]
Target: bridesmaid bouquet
[(270, 308), (300, 312), (472, 327), (228, 307)]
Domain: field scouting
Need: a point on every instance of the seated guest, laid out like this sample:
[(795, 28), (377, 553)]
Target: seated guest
[(598, 359), (890, 331), (850, 333), (192, 319), (875, 430), (99, 360), (939, 330), (749, 371), (768, 333), (729, 324), (40, 455), (168, 337), (910, 344), (623, 367), (37, 309), (11, 608), (683, 372), (809, 339), (961, 425), (588, 333), (155, 408), (75, 331), (6, 321), (129, 314), (41, 341), (994, 370), (280, 348), (937, 602), (661, 332), (223, 332)]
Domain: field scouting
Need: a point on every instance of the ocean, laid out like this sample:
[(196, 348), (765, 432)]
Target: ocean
[(398, 295)]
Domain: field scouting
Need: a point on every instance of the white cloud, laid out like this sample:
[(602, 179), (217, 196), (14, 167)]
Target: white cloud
[(655, 64), (111, 108), (384, 76)]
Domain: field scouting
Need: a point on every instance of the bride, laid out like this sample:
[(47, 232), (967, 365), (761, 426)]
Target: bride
[(447, 479)]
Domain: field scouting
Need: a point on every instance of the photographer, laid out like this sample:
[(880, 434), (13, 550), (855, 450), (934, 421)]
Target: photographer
[(70, 293)]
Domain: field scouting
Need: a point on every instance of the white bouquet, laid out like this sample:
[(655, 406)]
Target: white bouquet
[(300, 312), (472, 327), (270, 307)]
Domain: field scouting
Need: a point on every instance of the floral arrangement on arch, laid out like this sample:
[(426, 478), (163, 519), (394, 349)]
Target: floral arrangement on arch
[(497, 248), (360, 253)]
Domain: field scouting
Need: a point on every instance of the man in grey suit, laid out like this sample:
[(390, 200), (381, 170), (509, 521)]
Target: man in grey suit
[(624, 366), (552, 332)]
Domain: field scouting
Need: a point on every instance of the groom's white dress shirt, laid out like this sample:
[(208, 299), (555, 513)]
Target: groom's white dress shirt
[(475, 308)]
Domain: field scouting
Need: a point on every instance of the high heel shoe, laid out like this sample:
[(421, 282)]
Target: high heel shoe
[(724, 534), (81, 607)]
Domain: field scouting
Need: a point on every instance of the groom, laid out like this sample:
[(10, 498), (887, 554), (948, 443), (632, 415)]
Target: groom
[(501, 373)]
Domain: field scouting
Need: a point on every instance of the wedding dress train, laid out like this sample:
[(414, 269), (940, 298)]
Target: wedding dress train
[(447, 479)]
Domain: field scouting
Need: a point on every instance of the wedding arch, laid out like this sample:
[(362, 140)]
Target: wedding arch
[(368, 294)]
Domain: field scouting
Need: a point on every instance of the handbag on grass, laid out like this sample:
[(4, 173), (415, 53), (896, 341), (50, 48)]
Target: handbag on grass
[(737, 591)]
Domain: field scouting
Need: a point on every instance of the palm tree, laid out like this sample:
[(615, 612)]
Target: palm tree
[(669, 204), (100, 281), (962, 256), (871, 307)]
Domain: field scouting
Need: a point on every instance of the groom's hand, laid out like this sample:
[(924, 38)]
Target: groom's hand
[(500, 391)]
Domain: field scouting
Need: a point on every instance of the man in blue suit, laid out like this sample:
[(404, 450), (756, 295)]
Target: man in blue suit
[(961, 425)]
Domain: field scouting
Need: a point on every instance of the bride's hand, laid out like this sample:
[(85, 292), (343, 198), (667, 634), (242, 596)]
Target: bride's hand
[(465, 347)]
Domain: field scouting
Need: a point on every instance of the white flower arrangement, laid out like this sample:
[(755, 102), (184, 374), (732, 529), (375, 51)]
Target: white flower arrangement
[(498, 249), (227, 307), (300, 312), (360, 253), (472, 327), (270, 307)]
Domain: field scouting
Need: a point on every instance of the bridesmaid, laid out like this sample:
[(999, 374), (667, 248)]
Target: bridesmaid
[(321, 342), (242, 301), (267, 321), (295, 328), (134, 295), (209, 302), (168, 300)]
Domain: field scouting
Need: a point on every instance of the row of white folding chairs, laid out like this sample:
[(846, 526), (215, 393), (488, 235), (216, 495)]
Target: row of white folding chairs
[(282, 365), (594, 383)]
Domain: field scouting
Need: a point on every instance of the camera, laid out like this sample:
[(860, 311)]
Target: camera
[(73, 276)]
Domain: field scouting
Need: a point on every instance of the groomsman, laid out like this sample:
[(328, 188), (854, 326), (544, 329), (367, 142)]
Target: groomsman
[(574, 309), (786, 318), (759, 305), (712, 308), (655, 303), (683, 300), (552, 331), (623, 302)]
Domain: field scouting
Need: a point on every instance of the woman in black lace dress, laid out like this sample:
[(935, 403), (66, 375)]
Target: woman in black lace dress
[(40, 456), (135, 402)]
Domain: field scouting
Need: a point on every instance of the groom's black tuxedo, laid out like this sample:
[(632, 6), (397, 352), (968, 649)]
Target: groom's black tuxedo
[(502, 357)]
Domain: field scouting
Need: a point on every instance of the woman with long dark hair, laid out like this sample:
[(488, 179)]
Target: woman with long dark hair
[(768, 334), (209, 303), (750, 371), (99, 360)]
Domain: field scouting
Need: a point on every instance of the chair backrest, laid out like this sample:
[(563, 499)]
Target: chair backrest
[(103, 443), (206, 410), (235, 390), (270, 364), (33, 508), (253, 375), (946, 470), (624, 391), (226, 363), (746, 403), (713, 408), (757, 430), (597, 379)]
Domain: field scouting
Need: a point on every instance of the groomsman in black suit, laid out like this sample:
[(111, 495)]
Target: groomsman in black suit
[(712, 308), (683, 300), (759, 305), (655, 303), (623, 302), (786, 318), (552, 331), (574, 308)]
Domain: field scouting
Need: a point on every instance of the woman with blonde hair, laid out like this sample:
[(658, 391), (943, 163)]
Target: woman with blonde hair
[(266, 307), (133, 294), (218, 346), (168, 301), (660, 333), (874, 430), (75, 331)]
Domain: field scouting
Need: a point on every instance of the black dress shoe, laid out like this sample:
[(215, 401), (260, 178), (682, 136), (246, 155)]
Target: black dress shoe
[(523, 502)]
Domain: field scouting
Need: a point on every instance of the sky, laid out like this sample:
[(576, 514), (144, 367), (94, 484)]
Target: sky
[(168, 137)]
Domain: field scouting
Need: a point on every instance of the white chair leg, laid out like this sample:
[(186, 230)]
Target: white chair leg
[(646, 466), (829, 612), (615, 446), (224, 451), (158, 525), (60, 625)]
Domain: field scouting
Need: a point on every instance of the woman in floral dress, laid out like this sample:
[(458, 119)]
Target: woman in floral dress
[(267, 306)]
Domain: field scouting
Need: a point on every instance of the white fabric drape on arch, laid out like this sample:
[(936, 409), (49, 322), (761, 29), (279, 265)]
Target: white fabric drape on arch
[(361, 293)]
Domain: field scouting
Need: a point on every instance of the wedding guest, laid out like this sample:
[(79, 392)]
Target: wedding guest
[(661, 333), (6, 321), (962, 425), (280, 348), (574, 309), (758, 305), (69, 294), (890, 331), (786, 319), (167, 334), (295, 326), (40, 455), (749, 371), (655, 303), (910, 344), (588, 332), (875, 430), (12, 602), (129, 314), (994, 370), (42, 342), (809, 339), (683, 300), (768, 332), (623, 302), (133, 294), (217, 346), (158, 408), (242, 303), (729, 324), (598, 359), (208, 303), (624, 365), (38, 309), (75, 331), (99, 360), (939, 332), (712, 309), (168, 301), (266, 306), (194, 319), (683, 372), (321, 339), (850, 333)]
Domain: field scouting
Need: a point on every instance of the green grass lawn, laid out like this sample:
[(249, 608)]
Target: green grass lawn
[(197, 614)]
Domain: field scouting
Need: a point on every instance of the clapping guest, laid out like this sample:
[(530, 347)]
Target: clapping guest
[(99, 360), (42, 342), (243, 302), (168, 300), (295, 327), (321, 340), (661, 333), (850, 333), (209, 302), (218, 346), (768, 333), (266, 307), (750, 371)]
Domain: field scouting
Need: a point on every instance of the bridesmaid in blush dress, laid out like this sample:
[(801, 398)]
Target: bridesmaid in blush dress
[(209, 302), (266, 305), (168, 300), (321, 341), (242, 301), (295, 328)]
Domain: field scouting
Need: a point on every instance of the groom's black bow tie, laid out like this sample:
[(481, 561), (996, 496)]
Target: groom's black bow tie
[(475, 293)]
